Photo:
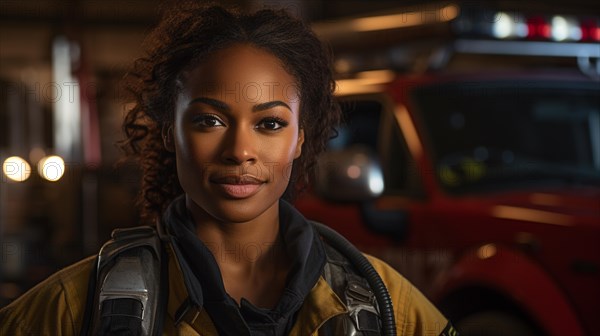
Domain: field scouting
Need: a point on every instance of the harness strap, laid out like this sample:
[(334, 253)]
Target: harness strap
[(363, 314), (128, 285)]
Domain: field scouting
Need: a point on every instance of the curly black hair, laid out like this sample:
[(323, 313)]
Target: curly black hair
[(185, 36)]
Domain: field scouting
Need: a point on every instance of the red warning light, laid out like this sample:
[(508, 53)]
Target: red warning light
[(538, 28), (590, 31)]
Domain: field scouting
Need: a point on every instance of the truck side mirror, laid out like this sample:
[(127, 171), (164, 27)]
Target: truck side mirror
[(352, 174)]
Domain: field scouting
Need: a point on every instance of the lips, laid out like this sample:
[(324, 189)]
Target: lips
[(237, 186)]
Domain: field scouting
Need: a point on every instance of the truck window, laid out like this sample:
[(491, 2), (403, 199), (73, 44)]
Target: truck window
[(491, 135), (360, 124), (367, 122)]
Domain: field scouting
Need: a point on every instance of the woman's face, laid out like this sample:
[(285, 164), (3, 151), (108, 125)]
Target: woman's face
[(236, 133)]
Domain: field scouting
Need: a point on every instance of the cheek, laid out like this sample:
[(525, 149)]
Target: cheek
[(195, 154), (196, 147), (278, 157), (279, 149)]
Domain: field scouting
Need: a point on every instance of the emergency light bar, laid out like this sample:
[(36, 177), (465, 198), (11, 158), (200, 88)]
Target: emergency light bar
[(466, 20), (426, 37), (524, 34), (505, 25)]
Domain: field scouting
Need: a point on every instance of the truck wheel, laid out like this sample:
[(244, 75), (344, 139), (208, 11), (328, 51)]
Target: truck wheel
[(493, 323)]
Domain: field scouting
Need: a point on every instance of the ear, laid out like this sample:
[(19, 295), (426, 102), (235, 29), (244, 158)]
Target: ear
[(167, 136), (299, 143)]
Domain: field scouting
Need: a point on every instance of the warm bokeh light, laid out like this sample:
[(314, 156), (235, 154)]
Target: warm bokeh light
[(486, 251), (16, 169), (51, 168), (365, 82), (531, 215), (353, 172), (415, 18)]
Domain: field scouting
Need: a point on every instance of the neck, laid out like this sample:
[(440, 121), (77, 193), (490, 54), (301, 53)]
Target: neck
[(245, 247), (253, 261)]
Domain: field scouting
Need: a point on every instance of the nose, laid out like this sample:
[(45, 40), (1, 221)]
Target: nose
[(239, 146)]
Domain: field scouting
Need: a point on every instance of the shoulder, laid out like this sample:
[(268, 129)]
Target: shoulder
[(415, 314), (54, 306)]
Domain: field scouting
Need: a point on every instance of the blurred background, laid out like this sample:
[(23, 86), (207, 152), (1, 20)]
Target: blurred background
[(61, 107)]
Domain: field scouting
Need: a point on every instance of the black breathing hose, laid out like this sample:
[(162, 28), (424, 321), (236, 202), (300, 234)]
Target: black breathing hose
[(363, 265)]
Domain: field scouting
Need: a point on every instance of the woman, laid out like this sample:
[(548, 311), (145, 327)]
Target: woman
[(231, 112)]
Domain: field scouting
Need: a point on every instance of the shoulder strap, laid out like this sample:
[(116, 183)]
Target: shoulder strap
[(363, 314), (127, 295), (126, 239)]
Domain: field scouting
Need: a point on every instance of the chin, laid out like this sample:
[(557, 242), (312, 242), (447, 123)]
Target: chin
[(237, 213), (233, 210)]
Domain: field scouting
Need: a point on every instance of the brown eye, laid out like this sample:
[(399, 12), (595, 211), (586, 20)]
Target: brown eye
[(207, 121), (272, 124)]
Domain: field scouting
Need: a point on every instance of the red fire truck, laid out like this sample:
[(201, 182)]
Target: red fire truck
[(478, 178)]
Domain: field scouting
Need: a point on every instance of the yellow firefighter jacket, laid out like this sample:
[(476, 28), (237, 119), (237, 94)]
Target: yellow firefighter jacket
[(56, 306)]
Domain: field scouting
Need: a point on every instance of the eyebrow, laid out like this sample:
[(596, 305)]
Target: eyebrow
[(219, 105), (268, 105)]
